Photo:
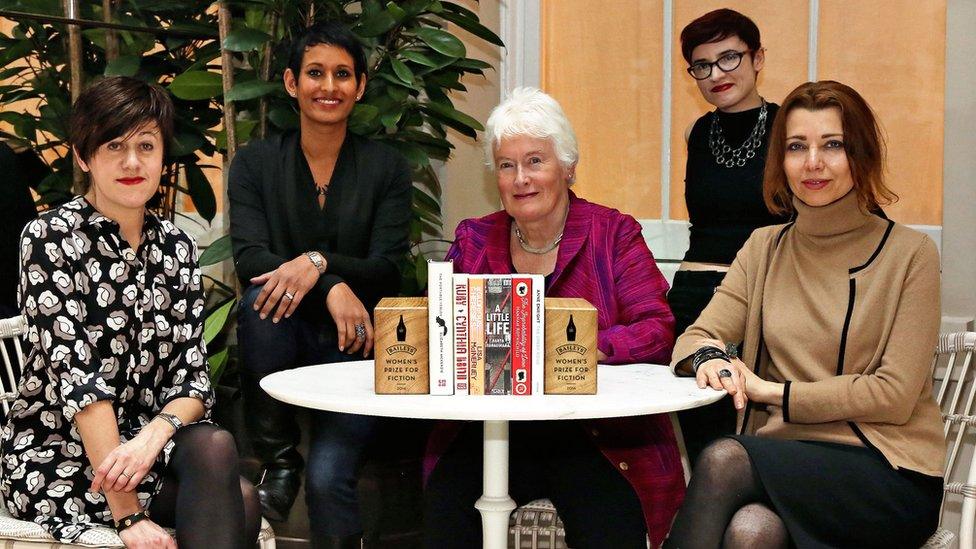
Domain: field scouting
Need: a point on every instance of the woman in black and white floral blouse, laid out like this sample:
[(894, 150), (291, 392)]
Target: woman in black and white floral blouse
[(117, 366)]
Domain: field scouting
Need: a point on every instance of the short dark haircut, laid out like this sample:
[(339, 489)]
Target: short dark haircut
[(863, 143), (329, 33), (718, 25), (114, 107)]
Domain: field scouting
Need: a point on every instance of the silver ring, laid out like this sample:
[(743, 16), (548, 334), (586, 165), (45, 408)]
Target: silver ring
[(360, 331), (725, 372), (289, 296), (126, 474)]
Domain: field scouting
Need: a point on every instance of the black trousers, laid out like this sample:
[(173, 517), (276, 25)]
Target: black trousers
[(550, 459), (690, 293)]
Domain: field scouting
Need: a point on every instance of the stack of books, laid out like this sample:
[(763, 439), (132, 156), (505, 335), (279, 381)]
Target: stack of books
[(486, 332)]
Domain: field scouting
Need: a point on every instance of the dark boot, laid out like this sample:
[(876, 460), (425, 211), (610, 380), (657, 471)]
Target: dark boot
[(274, 436), (338, 542)]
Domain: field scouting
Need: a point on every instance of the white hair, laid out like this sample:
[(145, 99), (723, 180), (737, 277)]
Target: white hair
[(531, 112)]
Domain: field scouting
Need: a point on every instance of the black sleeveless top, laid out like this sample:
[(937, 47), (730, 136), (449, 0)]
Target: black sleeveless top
[(725, 204)]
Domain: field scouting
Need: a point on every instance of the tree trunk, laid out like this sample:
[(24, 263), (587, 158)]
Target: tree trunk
[(111, 37), (74, 66)]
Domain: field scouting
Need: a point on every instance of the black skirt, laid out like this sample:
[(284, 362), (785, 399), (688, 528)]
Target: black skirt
[(837, 495)]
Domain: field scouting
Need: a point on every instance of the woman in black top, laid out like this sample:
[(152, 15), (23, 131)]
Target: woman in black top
[(110, 418), (319, 221), (723, 180)]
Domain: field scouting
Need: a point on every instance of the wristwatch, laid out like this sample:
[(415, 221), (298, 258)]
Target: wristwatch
[(317, 260), (171, 419)]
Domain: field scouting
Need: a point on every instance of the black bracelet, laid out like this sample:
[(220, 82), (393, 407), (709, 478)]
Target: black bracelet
[(128, 521), (705, 354)]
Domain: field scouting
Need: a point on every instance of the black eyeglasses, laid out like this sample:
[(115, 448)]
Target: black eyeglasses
[(728, 63)]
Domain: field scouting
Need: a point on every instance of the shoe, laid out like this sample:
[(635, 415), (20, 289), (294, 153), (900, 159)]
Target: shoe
[(274, 435), (277, 491)]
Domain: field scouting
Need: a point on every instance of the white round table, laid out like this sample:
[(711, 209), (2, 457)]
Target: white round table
[(625, 390)]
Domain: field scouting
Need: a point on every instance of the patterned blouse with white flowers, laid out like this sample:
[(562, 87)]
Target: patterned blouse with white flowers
[(104, 323)]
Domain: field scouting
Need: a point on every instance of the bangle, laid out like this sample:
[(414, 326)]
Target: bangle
[(128, 521), (705, 354), (171, 419)]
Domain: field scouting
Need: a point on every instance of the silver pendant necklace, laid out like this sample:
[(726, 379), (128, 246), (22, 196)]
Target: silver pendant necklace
[(532, 250), (726, 155)]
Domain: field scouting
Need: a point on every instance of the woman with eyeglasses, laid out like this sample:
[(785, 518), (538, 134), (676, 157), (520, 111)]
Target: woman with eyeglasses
[(723, 180)]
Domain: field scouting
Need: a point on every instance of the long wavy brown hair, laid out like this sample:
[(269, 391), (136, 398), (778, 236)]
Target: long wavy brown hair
[(863, 142)]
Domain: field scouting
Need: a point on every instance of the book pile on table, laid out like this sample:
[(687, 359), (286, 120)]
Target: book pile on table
[(484, 335), (486, 332)]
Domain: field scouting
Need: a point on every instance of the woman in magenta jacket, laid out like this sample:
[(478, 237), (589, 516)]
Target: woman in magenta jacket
[(612, 481)]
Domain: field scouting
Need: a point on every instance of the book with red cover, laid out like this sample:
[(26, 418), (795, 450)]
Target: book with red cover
[(521, 335)]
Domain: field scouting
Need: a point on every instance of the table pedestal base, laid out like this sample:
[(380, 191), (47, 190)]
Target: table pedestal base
[(495, 504)]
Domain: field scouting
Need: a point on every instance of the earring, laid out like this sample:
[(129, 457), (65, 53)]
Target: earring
[(291, 94)]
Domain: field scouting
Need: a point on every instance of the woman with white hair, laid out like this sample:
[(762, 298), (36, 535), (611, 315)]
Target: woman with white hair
[(615, 481)]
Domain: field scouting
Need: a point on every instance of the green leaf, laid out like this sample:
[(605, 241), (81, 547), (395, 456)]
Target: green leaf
[(401, 70), (186, 143), (441, 41), (243, 128), (214, 323), (363, 114), (418, 57), (200, 192), (454, 118), (127, 65), (284, 117), (375, 24), (396, 11), (245, 39), (217, 362), (413, 153), (251, 89), (195, 85), (472, 26), (218, 250), (421, 266), (470, 64)]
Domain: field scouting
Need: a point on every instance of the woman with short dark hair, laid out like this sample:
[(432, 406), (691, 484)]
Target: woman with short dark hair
[(319, 220), (723, 180), (839, 312), (117, 366)]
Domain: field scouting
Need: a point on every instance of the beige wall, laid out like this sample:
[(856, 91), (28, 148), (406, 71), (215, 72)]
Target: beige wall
[(606, 74), (469, 189), (605, 69)]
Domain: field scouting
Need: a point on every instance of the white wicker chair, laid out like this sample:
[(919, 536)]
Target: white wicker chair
[(33, 535), (956, 394)]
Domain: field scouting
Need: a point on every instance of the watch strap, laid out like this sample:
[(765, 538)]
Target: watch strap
[(173, 420), (317, 260), (128, 521)]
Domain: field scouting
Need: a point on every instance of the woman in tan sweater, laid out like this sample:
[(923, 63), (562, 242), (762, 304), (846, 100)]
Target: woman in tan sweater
[(838, 313)]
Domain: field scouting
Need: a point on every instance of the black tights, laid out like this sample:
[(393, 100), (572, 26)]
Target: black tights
[(726, 505), (203, 495)]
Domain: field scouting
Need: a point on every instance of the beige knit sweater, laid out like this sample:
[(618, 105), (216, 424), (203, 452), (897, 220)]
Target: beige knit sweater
[(842, 307)]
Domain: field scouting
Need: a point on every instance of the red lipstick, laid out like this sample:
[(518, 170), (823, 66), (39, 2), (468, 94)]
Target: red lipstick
[(131, 180), (721, 87)]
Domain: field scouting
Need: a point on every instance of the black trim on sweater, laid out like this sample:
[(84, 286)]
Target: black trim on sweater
[(867, 443), (877, 250), (786, 401), (847, 325)]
